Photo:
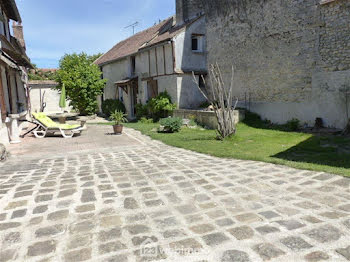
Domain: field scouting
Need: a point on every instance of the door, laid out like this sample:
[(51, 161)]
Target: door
[(133, 98)]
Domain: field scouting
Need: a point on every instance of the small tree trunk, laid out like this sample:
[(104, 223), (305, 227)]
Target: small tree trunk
[(221, 98)]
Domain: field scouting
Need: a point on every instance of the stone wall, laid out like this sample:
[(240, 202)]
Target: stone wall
[(278, 48), (186, 59), (206, 118), (51, 97), (334, 35), (187, 9)]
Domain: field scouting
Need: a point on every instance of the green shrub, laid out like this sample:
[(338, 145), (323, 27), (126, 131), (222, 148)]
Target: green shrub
[(161, 106), (109, 106), (145, 120), (141, 111), (193, 120), (293, 125), (171, 124), (118, 117), (82, 80)]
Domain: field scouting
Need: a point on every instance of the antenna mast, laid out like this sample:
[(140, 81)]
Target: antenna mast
[(133, 27)]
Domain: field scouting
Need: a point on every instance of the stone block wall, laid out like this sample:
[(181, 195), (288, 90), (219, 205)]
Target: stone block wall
[(187, 9), (334, 35), (45, 88), (206, 118), (276, 48)]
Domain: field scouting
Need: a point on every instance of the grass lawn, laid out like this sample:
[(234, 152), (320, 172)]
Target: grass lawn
[(257, 142)]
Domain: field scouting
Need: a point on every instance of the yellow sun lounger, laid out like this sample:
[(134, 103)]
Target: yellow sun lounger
[(47, 126)]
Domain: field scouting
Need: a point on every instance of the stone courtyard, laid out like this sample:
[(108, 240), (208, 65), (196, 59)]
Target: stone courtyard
[(129, 198)]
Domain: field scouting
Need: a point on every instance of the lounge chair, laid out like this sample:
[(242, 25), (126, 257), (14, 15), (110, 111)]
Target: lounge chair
[(46, 125)]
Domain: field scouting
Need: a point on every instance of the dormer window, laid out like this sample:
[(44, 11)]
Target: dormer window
[(197, 43)]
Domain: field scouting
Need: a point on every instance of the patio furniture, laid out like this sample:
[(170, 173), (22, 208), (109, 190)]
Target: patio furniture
[(47, 126)]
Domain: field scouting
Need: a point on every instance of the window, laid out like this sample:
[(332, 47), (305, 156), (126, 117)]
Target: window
[(197, 43), (152, 88), (133, 65), (120, 94)]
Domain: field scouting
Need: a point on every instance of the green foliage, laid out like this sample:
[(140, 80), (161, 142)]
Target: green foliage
[(93, 58), (171, 124), (111, 105), (193, 120), (298, 150), (141, 111), (82, 80), (158, 107), (161, 106), (254, 120), (119, 117), (293, 125), (39, 74), (144, 120)]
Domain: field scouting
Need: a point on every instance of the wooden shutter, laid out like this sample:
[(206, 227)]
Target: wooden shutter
[(2, 101), (154, 85)]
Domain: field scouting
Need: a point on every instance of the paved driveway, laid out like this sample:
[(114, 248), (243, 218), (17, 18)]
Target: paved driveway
[(142, 201)]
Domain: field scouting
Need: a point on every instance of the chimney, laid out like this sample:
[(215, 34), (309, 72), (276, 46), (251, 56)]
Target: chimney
[(179, 12), (18, 33), (188, 9)]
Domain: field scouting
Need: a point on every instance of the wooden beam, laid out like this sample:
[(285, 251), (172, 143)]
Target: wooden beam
[(173, 53), (155, 51), (164, 60), (2, 101), (149, 62)]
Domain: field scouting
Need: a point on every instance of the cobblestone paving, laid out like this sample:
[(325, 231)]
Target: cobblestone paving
[(108, 205)]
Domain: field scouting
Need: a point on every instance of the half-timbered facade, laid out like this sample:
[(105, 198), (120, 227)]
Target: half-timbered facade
[(13, 73), (160, 58)]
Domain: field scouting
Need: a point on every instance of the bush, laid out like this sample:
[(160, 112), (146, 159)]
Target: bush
[(82, 80), (171, 124), (109, 106), (141, 111), (161, 106), (293, 125), (144, 120)]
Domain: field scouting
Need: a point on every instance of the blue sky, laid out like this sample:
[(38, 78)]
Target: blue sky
[(53, 28)]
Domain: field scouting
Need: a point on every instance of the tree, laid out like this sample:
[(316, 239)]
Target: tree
[(221, 98), (82, 80)]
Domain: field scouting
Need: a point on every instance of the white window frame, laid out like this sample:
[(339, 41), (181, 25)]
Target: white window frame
[(200, 43)]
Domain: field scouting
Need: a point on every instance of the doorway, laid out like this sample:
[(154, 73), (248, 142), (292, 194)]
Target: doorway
[(133, 98)]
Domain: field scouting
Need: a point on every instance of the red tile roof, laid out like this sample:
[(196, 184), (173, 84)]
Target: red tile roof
[(131, 45), (161, 32)]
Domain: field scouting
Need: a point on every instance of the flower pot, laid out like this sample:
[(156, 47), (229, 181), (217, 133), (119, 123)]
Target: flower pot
[(118, 129)]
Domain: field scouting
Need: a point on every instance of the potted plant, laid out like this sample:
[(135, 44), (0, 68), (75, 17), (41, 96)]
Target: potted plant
[(119, 118)]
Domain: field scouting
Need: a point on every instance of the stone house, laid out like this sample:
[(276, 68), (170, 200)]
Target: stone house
[(13, 73), (159, 58), (291, 58)]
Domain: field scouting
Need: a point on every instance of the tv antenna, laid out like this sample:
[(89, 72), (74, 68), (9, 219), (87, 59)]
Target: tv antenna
[(133, 27)]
